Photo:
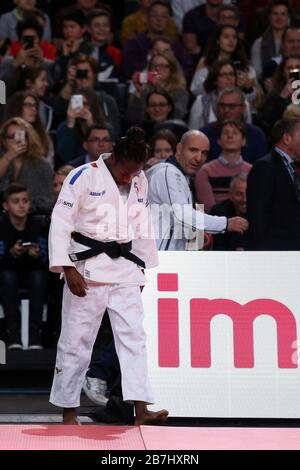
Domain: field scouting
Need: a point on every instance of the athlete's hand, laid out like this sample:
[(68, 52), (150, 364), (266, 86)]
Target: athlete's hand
[(237, 224), (75, 281)]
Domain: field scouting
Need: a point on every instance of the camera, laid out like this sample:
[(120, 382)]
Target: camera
[(19, 136), (145, 77), (294, 74), (28, 42), (81, 73), (76, 101)]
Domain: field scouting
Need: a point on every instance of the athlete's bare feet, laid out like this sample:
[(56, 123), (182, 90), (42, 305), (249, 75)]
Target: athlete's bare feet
[(151, 417), (70, 416)]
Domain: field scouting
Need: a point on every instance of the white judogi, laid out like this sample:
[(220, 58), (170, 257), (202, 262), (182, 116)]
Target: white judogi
[(90, 203)]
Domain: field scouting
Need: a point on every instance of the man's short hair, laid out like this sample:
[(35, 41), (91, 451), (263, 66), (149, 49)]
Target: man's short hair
[(14, 188), (283, 126), (232, 91), (98, 127), (240, 125)]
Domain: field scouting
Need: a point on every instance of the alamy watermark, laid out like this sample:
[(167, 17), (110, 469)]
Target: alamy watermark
[(2, 92)]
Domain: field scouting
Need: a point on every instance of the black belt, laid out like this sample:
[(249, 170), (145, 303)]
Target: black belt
[(111, 249)]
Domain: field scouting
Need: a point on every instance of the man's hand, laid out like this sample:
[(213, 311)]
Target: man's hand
[(75, 281), (17, 250), (237, 224), (34, 250)]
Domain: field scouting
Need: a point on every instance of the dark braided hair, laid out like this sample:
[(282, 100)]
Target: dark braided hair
[(132, 147)]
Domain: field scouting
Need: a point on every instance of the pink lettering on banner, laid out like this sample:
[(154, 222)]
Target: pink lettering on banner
[(203, 310), (168, 329)]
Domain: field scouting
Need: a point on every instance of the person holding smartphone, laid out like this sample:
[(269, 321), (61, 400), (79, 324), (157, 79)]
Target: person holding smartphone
[(28, 51), (22, 161), (282, 90), (23, 258)]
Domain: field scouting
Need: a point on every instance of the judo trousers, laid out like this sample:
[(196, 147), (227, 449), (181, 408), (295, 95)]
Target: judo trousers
[(81, 319)]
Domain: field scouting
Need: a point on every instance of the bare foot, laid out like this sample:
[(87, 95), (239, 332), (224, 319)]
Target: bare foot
[(151, 417), (70, 416)]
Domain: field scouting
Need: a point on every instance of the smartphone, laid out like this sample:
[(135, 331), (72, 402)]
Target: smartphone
[(26, 244), (294, 74), (76, 101), (28, 41), (145, 77), (81, 73), (19, 136)]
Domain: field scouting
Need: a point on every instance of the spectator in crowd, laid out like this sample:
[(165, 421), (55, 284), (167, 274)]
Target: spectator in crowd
[(29, 55), (80, 117), (23, 258), (169, 185), (98, 46), (231, 105), (25, 104), (273, 192), (136, 50), (84, 6), (137, 23), (235, 205), (97, 140), (82, 73), (222, 74), (225, 45), (165, 72), (22, 161), (10, 20), (269, 44), (37, 16), (213, 179), (74, 27), (34, 80), (230, 15), (282, 90), (162, 146), (159, 108), (290, 46)]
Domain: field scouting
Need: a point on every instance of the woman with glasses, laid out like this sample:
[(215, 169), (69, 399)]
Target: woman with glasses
[(221, 75), (25, 104), (22, 161), (163, 70)]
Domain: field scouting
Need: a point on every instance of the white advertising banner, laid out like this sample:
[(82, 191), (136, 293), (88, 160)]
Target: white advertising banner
[(223, 331)]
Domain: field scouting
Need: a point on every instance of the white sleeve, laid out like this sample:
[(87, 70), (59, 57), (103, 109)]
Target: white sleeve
[(63, 219), (171, 188)]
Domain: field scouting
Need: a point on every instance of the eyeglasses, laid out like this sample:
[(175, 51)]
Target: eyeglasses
[(158, 105), (159, 66), (229, 105), (226, 74), (98, 140), (29, 105)]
